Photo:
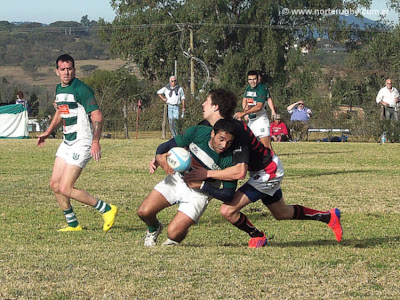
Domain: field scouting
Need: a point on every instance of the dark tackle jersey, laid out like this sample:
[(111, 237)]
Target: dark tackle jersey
[(247, 149)]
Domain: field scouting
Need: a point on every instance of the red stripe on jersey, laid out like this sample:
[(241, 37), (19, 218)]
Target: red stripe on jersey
[(271, 169), (255, 144)]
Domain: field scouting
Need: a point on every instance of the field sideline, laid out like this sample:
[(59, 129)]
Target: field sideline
[(303, 259)]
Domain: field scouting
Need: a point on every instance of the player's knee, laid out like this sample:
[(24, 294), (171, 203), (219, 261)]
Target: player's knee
[(226, 211), (142, 212), (65, 190), (176, 233), (54, 185)]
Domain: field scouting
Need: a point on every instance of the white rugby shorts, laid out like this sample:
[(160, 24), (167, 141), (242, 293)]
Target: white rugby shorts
[(77, 155), (260, 126), (191, 202), (268, 180)]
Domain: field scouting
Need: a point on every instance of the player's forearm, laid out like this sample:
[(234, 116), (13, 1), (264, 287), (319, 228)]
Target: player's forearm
[(97, 122), (236, 172), (54, 122), (224, 194), (271, 105)]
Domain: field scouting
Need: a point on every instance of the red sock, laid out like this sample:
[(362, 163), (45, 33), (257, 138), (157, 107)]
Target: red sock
[(305, 213), (244, 224)]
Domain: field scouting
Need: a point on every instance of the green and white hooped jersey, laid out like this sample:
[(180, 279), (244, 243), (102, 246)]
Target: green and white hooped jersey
[(196, 138), (253, 96), (75, 102)]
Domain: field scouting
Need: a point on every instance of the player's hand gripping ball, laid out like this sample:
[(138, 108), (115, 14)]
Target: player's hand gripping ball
[(179, 159)]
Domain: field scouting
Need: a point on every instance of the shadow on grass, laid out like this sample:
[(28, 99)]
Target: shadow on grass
[(317, 174), (313, 153), (353, 243), (365, 243)]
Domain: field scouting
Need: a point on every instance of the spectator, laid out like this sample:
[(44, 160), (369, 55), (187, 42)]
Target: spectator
[(300, 116), (21, 100), (172, 94), (388, 97), (278, 130)]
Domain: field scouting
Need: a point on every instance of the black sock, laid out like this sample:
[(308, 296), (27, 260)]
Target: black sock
[(305, 213), (244, 224)]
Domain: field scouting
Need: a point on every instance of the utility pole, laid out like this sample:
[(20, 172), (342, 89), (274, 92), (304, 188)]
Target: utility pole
[(191, 62)]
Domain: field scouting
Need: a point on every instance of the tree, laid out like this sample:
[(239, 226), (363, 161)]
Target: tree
[(85, 21), (231, 37), (116, 92), (31, 66)]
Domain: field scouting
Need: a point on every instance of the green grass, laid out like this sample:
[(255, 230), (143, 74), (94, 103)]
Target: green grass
[(303, 259)]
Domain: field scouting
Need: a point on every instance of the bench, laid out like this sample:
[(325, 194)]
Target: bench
[(328, 131)]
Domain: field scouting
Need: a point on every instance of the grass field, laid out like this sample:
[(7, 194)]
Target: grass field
[(302, 261)]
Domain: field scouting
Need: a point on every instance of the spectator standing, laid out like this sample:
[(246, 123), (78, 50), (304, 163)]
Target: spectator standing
[(21, 100), (388, 97), (173, 95), (278, 130), (299, 120)]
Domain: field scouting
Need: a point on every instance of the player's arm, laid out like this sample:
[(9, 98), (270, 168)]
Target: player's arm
[(161, 157), (56, 120), (244, 103), (97, 123), (236, 172), (224, 194), (271, 106), (247, 111)]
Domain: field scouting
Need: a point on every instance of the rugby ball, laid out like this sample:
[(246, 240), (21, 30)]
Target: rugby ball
[(179, 159)]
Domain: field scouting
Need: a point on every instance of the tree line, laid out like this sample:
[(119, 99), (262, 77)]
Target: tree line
[(225, 39)]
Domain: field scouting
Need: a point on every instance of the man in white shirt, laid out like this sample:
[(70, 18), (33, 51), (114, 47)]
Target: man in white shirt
[(173, 95), (388, 97)]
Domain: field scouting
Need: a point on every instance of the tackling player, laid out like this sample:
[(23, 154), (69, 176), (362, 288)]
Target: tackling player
[(266, 174)]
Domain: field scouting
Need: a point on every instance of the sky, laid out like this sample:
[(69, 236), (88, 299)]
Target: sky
[(49, 11), (377, 7)]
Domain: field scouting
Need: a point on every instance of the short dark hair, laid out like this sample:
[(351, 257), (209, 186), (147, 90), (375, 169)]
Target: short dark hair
[(252, 72), (226, 101), (65, 58), (225, 125), (20, 94)]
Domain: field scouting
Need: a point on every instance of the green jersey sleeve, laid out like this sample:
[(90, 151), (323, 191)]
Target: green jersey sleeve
[(86, 99)]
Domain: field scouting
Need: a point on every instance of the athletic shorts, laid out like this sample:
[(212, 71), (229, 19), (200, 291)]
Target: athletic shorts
[(265, 183), (77, 155), (191, 202), (260, 126)]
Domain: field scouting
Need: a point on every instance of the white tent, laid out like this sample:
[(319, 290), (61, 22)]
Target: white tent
[(13, 122)]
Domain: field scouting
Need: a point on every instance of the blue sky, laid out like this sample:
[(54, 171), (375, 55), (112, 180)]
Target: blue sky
[(48, 11)]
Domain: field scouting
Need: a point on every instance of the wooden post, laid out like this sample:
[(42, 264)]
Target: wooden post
[(139, 108), (164, 122)]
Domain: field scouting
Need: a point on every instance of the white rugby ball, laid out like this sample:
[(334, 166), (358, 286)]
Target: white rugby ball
[(179, 159)]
